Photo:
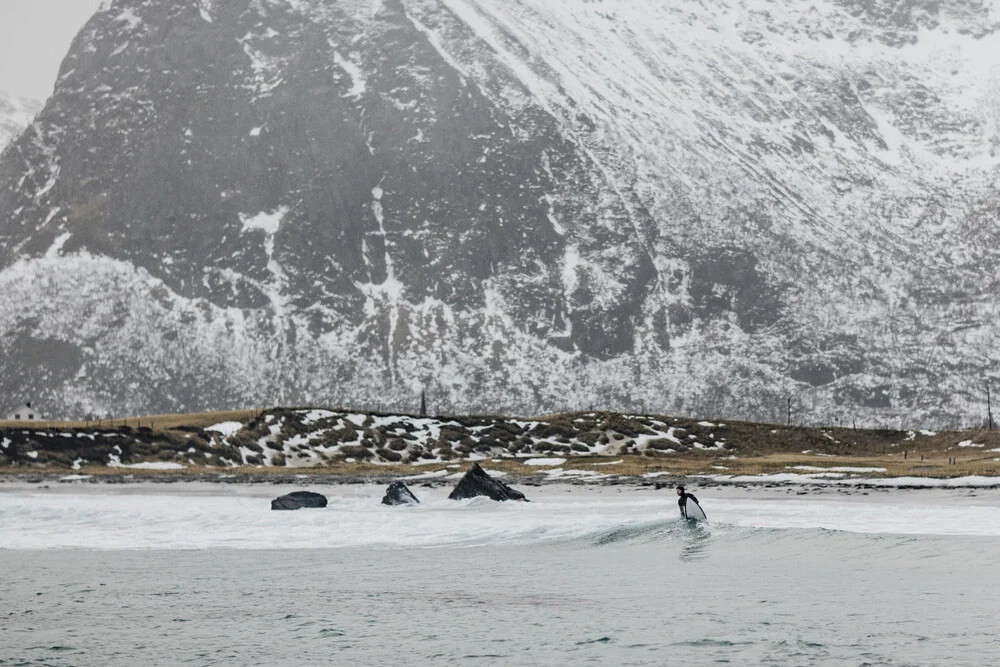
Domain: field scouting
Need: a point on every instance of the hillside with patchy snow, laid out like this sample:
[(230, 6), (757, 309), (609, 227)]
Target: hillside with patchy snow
[(311, 437), (524, 205)]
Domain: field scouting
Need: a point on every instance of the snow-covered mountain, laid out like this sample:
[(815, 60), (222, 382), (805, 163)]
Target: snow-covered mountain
[(16, 114), (527, 205)]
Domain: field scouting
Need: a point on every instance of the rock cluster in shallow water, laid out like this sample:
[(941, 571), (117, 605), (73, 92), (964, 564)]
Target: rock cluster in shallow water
[(478, 483), (399, 494), (298, 500)]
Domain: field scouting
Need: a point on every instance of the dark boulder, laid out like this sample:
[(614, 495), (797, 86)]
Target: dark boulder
[(399, 494), (477, 483), (299, 499)]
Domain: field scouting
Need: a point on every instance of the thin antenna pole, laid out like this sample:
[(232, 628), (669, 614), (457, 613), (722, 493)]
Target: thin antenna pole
[(989, 406)]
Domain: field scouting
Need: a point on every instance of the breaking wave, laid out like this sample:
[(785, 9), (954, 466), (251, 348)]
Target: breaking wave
[(202, 517)]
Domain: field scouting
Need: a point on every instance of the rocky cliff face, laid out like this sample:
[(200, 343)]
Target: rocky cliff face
[(526, 205), (16, 114)]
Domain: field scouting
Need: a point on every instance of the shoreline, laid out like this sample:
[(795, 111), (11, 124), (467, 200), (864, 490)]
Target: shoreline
[(337, 446), (313, 477)]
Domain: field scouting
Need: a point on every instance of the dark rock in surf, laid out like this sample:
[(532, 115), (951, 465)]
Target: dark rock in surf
[(399, 494), (477, 483), (298, 500)]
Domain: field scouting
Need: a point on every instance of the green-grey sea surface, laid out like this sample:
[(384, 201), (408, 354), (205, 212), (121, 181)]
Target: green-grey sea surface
[(651, 591)]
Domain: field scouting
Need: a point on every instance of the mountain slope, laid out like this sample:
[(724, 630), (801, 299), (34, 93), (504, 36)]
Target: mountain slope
[(15, 115), (527, 205)]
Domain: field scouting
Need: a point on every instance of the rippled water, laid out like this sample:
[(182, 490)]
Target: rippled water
[(213, 577)]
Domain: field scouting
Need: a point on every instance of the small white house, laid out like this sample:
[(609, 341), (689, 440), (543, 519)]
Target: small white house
[(25, 413)]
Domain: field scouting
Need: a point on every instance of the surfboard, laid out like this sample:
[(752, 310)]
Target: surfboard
[(694, 511)]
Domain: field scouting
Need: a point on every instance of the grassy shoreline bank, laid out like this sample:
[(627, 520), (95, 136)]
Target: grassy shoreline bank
[(342, 444)]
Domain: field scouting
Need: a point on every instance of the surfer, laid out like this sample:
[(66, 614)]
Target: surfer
[(682, 500)]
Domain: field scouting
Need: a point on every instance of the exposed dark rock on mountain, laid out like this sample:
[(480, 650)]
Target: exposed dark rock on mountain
[(297, 500), (477, 482), (399, 494), (526, 206)]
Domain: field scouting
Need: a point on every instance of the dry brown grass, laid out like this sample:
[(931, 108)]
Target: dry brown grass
[(632, 466), (156, 422), (895, 465)]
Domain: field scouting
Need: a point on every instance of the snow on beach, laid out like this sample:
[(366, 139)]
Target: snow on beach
[(841, 478), (838, 469), (226, 428), (560, 473), (152, 465), (545, 462)]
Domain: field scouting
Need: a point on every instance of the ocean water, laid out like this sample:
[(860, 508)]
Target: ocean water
[(208, 575)]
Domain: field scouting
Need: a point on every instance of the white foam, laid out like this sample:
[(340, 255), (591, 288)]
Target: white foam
[(200, 516), (914, 516), (171, 518)]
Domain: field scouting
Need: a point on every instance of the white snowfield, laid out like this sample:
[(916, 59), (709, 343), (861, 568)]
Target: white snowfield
[(838, 469), (226, 428), (201, 516), (545, 462), (149, 465)]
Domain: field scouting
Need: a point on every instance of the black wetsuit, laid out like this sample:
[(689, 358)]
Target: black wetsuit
[(682, 501)]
